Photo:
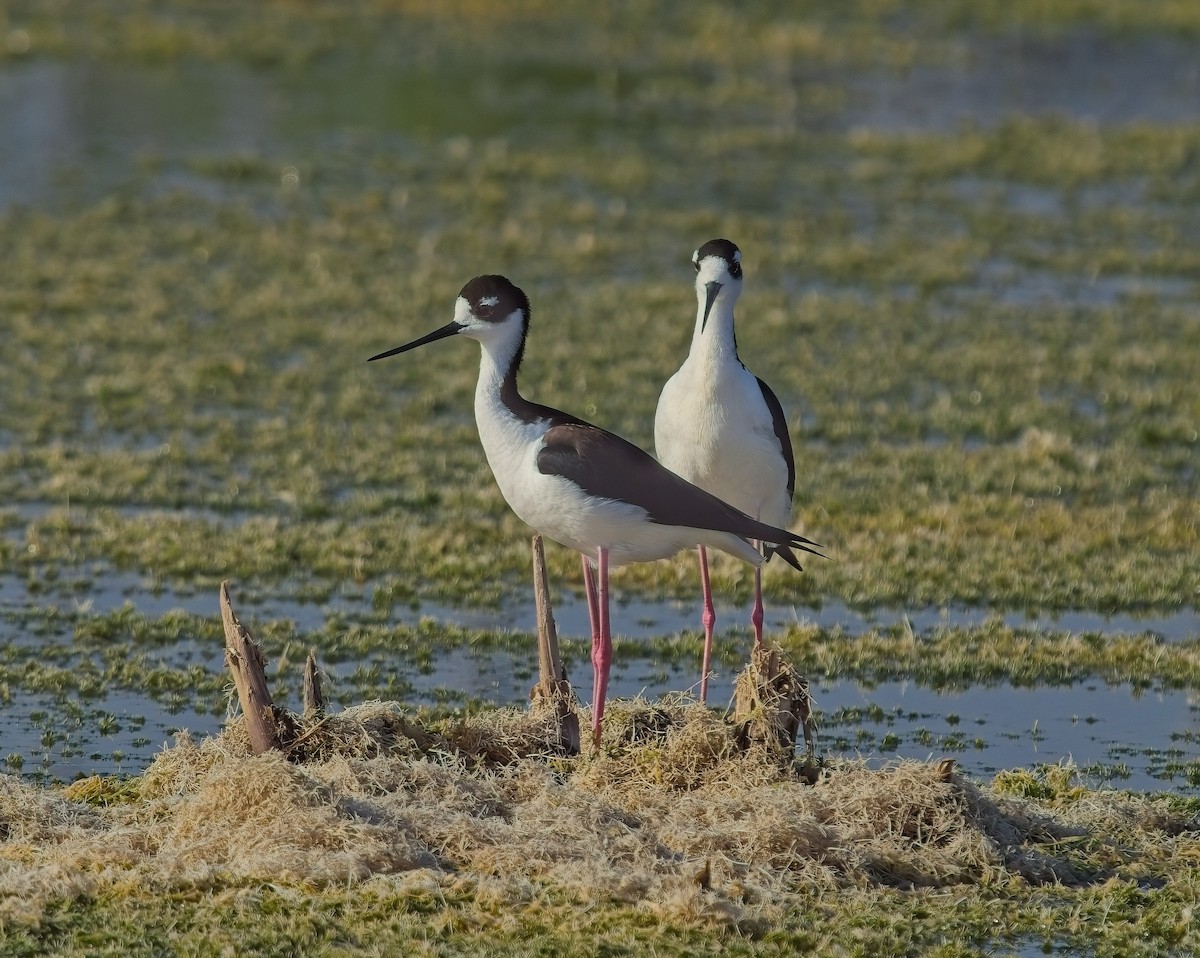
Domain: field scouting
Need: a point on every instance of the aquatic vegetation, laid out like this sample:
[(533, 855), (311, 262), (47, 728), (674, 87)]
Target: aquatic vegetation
[(974, 289)]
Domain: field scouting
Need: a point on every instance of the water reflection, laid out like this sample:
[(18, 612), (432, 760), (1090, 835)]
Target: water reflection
[(78, 131)]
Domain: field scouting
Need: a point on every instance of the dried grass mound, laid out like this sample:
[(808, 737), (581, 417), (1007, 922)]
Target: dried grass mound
[(672, 815), (772, 706)]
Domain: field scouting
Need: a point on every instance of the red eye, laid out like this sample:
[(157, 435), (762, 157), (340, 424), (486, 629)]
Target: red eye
[(484, 311)]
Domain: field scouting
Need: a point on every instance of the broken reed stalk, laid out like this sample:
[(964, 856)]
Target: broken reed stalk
[(314, 695), (553, 689), (263, 720)]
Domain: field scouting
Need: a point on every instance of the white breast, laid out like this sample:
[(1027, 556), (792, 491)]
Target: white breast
[(714, 428), (561, 511)]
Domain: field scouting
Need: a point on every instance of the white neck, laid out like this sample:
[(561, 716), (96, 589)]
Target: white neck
[(496, 358), (714, 339), (509, 438), (507, 434)]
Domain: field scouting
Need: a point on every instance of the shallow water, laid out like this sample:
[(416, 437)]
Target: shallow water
[(633, 619), (1119, 735), (1079, 75), (78, 131)]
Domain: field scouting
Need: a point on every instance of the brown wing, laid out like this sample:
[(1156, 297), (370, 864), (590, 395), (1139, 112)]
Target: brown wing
[(609, 467)]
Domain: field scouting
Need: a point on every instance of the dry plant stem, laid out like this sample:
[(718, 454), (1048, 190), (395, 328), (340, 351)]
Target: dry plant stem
[(246, 662), (553, 688), (314, 696)]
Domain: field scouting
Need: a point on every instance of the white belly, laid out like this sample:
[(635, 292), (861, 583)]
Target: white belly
[(560, 510)]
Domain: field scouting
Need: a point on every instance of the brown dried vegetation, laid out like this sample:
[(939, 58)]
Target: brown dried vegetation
[(670, 815)]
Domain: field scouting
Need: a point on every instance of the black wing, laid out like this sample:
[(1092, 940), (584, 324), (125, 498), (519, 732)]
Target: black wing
[(779, 421)]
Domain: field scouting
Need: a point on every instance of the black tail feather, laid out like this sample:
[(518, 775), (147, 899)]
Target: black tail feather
[(785, 552)]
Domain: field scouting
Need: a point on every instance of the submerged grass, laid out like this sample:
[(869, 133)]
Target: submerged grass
[(865, 32), (83, 656), (984, 334), (1031, 454), (103, 690)]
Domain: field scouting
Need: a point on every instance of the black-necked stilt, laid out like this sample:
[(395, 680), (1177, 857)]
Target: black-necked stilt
[(721, 427), (581, 485)]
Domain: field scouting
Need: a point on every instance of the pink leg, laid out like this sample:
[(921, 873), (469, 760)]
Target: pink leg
[(709, 618), (589, 585), (601, 645), (756, 616)]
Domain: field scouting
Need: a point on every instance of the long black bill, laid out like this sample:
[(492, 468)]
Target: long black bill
[(448, 330), (711, 289)]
